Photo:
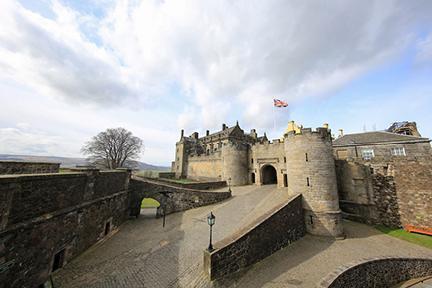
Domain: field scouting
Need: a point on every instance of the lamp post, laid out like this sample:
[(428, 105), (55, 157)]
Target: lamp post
[(210, 221)]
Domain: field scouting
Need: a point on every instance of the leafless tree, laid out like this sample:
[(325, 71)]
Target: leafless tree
[(113, 148)]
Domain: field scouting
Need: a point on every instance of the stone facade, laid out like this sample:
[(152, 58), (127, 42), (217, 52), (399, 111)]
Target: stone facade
[(274, 230), (378, 272), (16, 167), (311, 172), (402, 197), (47, 219)]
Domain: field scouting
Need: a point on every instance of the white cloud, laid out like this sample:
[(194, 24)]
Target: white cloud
[(227, 58), (424, 49)]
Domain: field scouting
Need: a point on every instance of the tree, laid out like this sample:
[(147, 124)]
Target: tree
[(113, 148)]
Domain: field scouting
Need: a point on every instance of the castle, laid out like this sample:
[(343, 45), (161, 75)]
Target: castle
[(329, 174)]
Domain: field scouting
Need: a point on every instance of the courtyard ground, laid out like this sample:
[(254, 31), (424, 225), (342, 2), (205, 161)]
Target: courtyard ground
[(143, 254)]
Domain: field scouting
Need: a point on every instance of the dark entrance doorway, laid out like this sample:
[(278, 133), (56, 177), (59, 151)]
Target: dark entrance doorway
[(285, 180), (253, 178), (269, 175)]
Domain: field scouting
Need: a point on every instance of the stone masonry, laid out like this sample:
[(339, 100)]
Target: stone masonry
[(17, 167), (48, 219)]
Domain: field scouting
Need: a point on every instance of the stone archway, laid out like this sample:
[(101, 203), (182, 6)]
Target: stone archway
[(268, 175)]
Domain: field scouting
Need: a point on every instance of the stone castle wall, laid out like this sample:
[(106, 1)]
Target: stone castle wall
[(401, 197), (46, 214), (378, 272), (274, 230), (235, 164), (311, 172), (205, 167), (265, 154), (413, 181), (16, 167)]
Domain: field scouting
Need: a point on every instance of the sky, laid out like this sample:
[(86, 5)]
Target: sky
[(70, 69)]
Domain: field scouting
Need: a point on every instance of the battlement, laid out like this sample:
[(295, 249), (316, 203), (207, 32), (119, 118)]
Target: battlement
[(321, 132)]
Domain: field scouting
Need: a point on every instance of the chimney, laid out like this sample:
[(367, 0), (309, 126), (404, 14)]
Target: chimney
[(207, 133), (223, 127), (181, 133), (325, 125), (340, 133), (195, 135)]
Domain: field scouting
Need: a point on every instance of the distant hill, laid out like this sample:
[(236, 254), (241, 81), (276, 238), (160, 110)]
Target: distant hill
[(68, 162)]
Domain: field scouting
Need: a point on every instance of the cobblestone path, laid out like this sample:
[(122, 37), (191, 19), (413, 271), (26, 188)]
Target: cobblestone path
[(143, 254)]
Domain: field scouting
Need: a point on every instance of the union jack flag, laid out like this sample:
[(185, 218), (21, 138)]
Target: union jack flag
[(279, 103)]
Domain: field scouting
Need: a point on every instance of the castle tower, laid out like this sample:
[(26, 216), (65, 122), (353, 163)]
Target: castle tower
[(311, 172), (180, 158), (235, 163)]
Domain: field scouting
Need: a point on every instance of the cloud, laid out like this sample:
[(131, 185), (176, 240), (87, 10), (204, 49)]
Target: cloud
[(22, 140), (424, 49), (228, 59)]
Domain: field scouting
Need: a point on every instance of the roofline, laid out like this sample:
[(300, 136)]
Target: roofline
[(421, 140)]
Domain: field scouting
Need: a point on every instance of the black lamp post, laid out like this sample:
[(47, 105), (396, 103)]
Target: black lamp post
[(210, 221)]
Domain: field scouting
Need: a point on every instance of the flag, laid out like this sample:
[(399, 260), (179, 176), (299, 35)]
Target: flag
[(279, 103)]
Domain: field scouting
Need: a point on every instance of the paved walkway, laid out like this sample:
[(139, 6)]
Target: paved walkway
[(143, 254)]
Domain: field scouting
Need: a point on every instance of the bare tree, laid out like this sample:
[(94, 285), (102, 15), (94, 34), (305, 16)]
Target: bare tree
[(113, 148)]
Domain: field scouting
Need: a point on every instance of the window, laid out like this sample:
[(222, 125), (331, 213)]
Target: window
[(252, 160), (306, 157), (368, 154), (307, 181), (107, 227), (284, 159), (398, 151)]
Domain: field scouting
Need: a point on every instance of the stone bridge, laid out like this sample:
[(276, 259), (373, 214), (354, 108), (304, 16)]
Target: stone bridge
[(172, 197)]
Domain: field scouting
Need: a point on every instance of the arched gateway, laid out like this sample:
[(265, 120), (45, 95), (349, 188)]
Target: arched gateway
[(268, 175)]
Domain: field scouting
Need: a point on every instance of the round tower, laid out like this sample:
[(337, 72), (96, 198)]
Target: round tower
[(235, 163), (311, 172)]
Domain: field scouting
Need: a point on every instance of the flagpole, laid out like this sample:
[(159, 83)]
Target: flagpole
[(274, 118)]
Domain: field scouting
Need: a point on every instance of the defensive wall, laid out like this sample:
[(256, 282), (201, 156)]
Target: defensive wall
[(205, 185), (17, 167), (401, 197), (177, 198), (311, 172), (47, 219), (378, 272), (272, 231)]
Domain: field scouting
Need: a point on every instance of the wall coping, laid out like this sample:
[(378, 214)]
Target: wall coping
[(28, 162), (152, 181), (30, 177), (333, 276)]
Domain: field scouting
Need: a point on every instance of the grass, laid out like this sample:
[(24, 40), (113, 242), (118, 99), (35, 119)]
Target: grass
[(419, 239), (182, 181), (149, 203)]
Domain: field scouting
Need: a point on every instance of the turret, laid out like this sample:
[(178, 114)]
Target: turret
[(235, 163), (311, 172)]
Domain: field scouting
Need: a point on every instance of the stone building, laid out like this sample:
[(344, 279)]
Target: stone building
[(302, 160), (363, 173)]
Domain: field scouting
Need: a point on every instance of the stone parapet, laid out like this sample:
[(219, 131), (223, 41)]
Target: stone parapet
[(274, 230), (377, 272), (18, 167)]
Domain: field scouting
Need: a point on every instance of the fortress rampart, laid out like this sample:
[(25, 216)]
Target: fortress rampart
[(47, 219), (311, 172), (19, 167)]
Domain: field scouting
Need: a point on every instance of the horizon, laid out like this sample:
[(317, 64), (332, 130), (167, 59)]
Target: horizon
[(72, 69)]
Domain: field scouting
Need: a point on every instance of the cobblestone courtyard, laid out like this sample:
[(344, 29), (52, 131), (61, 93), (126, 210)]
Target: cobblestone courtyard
[(143, 254)]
